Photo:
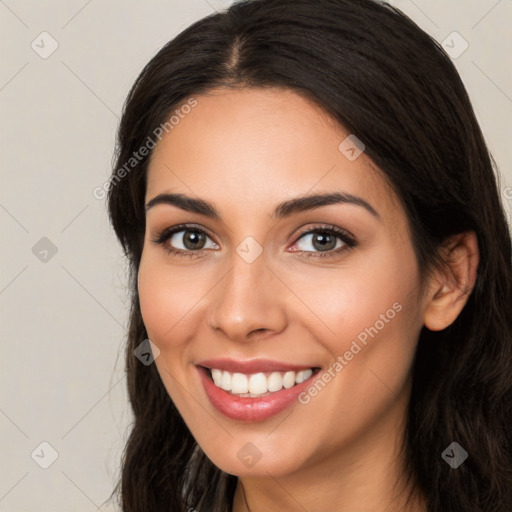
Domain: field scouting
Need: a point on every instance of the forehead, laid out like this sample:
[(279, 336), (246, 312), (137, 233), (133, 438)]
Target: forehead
[(260, 146)]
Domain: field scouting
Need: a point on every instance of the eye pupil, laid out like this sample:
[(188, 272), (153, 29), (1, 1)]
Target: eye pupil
[(194, 238), (322, 241)]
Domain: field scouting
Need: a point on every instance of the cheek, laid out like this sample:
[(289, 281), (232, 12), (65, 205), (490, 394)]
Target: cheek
[(366, 293), (167, 299), (380, 324), (369, 326)]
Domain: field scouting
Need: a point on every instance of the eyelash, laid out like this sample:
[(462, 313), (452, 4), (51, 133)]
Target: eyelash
[(163, 236)]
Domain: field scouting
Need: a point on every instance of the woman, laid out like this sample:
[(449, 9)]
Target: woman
[(321, 262)]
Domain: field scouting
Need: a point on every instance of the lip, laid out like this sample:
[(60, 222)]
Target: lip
[(252, 409), (252, 366)]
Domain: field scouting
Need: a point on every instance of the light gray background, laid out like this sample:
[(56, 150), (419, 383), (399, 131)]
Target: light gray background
[(63, 320)]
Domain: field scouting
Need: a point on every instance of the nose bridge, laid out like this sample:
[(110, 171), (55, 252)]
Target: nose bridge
[(245, 300)]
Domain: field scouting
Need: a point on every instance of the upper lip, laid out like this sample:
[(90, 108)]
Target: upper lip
[(252, 366)]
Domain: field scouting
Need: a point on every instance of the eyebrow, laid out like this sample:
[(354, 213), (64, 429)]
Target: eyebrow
[(285, 209)]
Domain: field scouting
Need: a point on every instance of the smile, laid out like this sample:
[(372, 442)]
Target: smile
[(256, 390), (257, 384)]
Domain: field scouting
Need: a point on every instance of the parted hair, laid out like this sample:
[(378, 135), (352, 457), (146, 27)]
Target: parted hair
[(381, 77)]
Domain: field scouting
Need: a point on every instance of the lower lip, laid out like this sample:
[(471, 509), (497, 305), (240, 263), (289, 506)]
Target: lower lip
[(251, 409)]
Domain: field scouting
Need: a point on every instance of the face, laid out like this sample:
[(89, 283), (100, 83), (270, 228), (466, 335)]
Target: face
[(306, 312)]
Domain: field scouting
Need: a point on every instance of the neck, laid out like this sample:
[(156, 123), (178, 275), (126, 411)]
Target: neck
[(368, 474)]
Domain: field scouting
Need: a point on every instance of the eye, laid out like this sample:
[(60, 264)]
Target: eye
[(183, 240), (324, 241), (189, 240)]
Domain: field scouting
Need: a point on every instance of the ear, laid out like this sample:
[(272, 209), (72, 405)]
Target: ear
[(450, 287)]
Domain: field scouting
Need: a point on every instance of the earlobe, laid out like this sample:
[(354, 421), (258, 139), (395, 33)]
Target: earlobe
[(451, 287)]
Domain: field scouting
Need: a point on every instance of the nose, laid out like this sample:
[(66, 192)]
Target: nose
[(248, 303)]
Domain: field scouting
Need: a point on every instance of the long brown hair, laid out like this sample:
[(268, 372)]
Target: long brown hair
[(385, 80)]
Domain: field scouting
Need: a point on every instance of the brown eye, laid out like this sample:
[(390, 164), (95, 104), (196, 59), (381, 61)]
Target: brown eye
[(184, 239), (193, 240), (320, 241), (189, 240), (324, 241)]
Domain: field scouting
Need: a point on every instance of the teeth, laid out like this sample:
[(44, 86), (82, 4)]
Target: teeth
[(226, 381), (257, 384), (239, 383), (274, 381), (289, 379), (303, 375), (217, 377)]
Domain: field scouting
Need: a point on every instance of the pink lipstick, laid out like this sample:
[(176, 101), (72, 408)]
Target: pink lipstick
[(253, 390)]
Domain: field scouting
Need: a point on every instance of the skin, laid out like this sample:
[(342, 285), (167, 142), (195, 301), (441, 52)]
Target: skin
[(245, 151)]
